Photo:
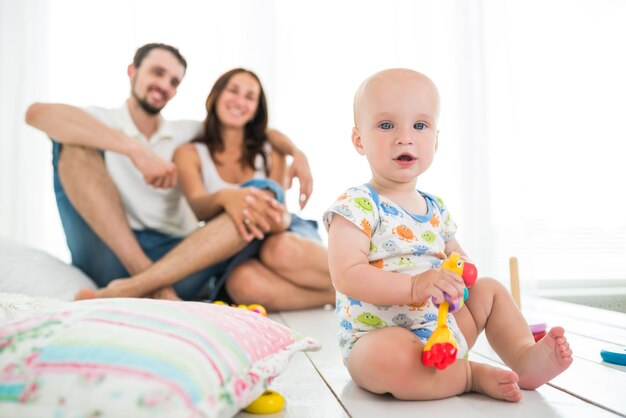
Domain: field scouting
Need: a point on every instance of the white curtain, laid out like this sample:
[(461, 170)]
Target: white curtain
[(531, 104), (27, 212), (555, 109)]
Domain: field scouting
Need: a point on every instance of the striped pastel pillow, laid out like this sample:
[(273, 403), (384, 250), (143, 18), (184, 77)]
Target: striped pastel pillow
[(140, 357)]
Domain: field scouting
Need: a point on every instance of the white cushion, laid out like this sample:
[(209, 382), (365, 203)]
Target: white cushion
[(33, 272), (121, 358)]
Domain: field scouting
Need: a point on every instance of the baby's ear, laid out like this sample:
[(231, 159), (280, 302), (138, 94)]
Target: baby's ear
[(356, 141)]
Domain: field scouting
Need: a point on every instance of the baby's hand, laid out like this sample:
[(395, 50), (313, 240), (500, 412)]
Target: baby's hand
[(434, 283)]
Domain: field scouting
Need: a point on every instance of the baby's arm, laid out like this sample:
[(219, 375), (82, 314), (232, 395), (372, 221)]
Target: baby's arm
[(352, 275), (453, 246)]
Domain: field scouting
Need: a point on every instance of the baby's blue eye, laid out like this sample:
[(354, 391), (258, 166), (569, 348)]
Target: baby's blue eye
[(419, 125), (385, 125)]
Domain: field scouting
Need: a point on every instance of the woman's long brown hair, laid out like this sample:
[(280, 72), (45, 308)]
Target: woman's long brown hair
[(255, 131)]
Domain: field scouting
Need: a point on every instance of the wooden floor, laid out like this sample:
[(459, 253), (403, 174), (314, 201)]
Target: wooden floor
[(317, 384)]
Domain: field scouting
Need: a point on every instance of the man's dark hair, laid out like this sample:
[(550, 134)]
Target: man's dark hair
[(144, 50)]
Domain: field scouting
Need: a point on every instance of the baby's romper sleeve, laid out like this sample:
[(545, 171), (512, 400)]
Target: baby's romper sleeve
[(357, 206)]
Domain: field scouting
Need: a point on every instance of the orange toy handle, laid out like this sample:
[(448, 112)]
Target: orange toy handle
[(441, 348)]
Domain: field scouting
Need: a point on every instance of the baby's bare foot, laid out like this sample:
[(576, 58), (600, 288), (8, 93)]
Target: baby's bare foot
[(495, 382), (544, 360)]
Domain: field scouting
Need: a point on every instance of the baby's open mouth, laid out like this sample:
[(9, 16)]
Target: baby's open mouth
[(405, 157)]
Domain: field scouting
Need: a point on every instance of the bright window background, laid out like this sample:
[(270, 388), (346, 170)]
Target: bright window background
[(556, 107), (531, 143)]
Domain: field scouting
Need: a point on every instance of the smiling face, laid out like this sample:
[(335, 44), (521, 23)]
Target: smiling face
[(155, 81), (238, 103), (396, 114)]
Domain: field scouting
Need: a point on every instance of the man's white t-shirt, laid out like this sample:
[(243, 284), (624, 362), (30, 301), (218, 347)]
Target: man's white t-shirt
[(147, 207)]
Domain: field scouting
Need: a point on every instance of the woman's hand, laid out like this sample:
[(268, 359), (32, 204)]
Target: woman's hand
[(254, 212), (267, 209), (277, 223), (434, 283), (300, 168)]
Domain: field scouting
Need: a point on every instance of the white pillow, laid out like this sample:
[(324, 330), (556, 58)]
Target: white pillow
[(33, 272), (139, 358), (14, 306)]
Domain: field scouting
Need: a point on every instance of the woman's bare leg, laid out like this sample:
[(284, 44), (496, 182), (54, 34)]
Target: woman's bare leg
[(300, 260), (253, 282)]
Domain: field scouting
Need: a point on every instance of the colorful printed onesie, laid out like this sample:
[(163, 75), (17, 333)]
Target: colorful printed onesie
[(399, 242)]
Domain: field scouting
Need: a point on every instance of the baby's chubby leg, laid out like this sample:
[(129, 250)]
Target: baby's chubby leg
[(389, 360), (490, 307)]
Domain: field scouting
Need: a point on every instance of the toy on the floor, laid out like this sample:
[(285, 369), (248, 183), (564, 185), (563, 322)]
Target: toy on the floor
[(539, 328), (268, 403), (441, 348), (614, 355), (255, 307)]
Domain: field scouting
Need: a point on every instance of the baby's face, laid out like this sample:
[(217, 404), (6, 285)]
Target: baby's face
[(396, 117)]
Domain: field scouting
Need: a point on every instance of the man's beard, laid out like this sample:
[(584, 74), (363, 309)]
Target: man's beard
[(147, 107)]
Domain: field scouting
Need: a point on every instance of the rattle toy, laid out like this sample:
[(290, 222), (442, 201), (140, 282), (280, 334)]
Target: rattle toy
[(255, 307), (268, 403), (538, 330), (441, 348)]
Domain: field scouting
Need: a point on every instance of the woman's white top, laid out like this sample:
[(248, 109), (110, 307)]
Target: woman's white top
[(211, 178)]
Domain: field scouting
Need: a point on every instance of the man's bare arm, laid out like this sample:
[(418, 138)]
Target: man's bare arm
[(73, 126)]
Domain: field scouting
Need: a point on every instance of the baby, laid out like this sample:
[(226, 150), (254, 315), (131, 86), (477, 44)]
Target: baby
[(387, 241)]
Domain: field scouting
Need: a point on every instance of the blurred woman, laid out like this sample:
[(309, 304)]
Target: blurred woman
[(232, 168)]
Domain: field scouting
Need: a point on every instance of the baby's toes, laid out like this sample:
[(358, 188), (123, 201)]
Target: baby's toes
[(512, 393), (509, 387), (567, 354)]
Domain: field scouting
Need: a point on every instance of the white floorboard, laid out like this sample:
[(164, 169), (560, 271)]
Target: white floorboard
[(588, 331)]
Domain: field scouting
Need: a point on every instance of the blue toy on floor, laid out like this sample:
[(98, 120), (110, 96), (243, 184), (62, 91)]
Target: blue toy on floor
[(614, 355)]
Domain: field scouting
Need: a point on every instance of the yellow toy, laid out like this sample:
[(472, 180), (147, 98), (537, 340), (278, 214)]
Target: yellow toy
[(268, 403), (441, 348), (255, 307)]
